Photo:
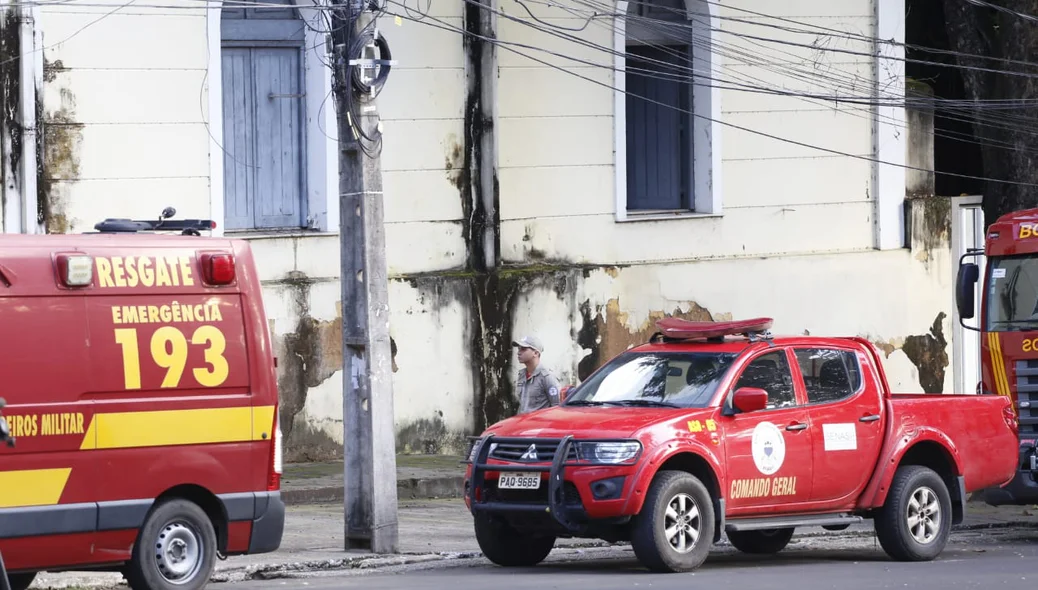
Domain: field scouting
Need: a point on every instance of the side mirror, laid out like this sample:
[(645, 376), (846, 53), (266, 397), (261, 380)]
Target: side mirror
[(750, 399), (965, 283)]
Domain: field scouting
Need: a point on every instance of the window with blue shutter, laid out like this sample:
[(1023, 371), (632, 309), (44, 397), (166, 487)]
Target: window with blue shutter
[(263, 118), (658, 83)]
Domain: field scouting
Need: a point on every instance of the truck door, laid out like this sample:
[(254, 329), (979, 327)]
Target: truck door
[(769, 451), (847, 418)]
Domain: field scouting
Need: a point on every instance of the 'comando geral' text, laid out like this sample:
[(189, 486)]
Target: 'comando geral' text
[(173, 313), (145, 271)]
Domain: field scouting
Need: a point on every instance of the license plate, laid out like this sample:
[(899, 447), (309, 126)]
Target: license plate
[(519, 481)]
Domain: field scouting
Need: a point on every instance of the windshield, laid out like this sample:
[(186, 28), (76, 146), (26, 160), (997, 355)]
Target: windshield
[(655, 379), (1012, 293)]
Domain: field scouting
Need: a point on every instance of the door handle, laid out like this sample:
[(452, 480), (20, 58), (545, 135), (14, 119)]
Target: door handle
[(797, 426), (870, 418)]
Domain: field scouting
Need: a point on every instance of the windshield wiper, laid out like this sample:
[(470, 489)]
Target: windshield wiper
[(648, 403), (586, 402)]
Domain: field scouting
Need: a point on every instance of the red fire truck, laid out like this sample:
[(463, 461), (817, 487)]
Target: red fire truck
[(1008, 327)]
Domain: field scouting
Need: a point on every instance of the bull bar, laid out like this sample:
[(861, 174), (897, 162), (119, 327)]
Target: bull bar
[(556, 495)]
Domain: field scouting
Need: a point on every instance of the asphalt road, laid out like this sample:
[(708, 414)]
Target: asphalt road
[(972, 560)]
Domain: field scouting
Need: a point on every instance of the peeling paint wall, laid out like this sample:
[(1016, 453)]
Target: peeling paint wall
[(500, 203)]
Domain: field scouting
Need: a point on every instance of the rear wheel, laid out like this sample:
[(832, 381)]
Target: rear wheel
[(675, 528), (915, 521), (761, 542), (175, 549), (507, 547)]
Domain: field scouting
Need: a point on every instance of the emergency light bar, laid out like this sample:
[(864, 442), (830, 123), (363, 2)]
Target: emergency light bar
[(185, 226), (679, 329)]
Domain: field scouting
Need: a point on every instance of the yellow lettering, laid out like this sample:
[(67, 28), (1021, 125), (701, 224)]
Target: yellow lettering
[(215, 313), (173, 272), (131, 272), (104, 272), (695, 426), (188, 313), (162, 278), (48, 425), (115, 315), (117, 271), (130, 315), (166, 314), (1030, 345), (176, 313), (79, 423), (147, 277), (153, 314), (127, 338), (213, 356), (185, 270), (711, 425), (763, 487)]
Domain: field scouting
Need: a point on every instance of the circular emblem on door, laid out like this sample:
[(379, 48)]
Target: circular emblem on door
[(768, 448)]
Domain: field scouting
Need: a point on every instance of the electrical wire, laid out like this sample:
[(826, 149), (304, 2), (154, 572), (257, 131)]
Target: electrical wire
[(508, 47)]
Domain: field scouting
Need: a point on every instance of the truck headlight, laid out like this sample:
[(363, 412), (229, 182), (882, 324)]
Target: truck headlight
[(610, 452), (475, 447)]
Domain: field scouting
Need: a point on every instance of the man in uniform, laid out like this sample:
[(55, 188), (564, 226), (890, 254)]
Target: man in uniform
[(535, 386)]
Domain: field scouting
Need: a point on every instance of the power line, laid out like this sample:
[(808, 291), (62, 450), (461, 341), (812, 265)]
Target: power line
[(447, 26)]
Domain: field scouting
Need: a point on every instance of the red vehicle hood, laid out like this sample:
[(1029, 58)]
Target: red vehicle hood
[(591, 422)]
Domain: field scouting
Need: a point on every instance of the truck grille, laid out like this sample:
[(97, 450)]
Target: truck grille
[(522, 452), (1027, 396)]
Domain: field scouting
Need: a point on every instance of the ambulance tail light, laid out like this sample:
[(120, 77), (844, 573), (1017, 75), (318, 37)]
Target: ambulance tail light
[(218, 268), (274, 483), (75, 270)]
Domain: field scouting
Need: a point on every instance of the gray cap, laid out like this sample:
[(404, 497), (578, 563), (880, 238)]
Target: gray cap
[(529, 342)]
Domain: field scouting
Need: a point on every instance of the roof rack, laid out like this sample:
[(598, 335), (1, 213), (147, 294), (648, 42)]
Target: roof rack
[(187, 227), (678, 330)]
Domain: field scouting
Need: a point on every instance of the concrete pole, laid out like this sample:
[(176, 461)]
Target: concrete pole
[(369, 445)]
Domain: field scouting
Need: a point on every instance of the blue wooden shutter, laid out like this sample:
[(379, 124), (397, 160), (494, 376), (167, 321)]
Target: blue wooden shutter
[(238, 138), (263, 161), (279, 179), (659, 127)]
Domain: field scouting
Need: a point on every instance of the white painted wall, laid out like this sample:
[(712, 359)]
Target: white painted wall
[(792, 236)]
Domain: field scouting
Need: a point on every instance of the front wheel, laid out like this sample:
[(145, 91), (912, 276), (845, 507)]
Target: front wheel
[(507, 547), (21, 581), (915, 521), (175, 549), (761, 542), (675, 528)]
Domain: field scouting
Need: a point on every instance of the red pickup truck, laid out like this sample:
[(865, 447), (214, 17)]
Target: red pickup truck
[(718, 426)]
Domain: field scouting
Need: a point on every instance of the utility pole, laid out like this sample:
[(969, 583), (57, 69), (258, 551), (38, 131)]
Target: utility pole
[(369, 445)]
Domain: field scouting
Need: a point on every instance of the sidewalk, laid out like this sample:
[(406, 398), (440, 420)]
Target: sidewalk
[(418, 477)]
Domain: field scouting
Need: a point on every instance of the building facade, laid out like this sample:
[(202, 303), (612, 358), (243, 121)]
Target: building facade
[(575, 169)]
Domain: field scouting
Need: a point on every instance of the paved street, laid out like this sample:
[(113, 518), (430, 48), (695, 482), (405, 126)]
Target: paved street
[(437, 540), (973, 560)]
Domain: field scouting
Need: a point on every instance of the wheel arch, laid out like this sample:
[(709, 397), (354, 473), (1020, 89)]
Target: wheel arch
[(698, 466), (934, 455), (207, 501)]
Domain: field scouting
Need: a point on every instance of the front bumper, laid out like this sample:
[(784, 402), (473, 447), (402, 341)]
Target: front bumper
[(595, 494)]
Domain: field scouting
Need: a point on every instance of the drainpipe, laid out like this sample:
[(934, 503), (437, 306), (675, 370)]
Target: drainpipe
[(30, 78)]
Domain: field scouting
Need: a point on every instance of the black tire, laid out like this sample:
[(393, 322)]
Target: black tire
[(895, 534), (648, 536), (507, 547), (173, 528), (21, 581), (761, 542)]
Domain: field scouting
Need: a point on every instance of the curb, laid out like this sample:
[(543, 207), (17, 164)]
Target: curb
[(406, 489)]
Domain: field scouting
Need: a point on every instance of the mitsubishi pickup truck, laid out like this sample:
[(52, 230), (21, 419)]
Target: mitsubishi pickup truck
[(718, 426)]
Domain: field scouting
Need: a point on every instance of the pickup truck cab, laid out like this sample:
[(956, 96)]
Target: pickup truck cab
[(717, 426)]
